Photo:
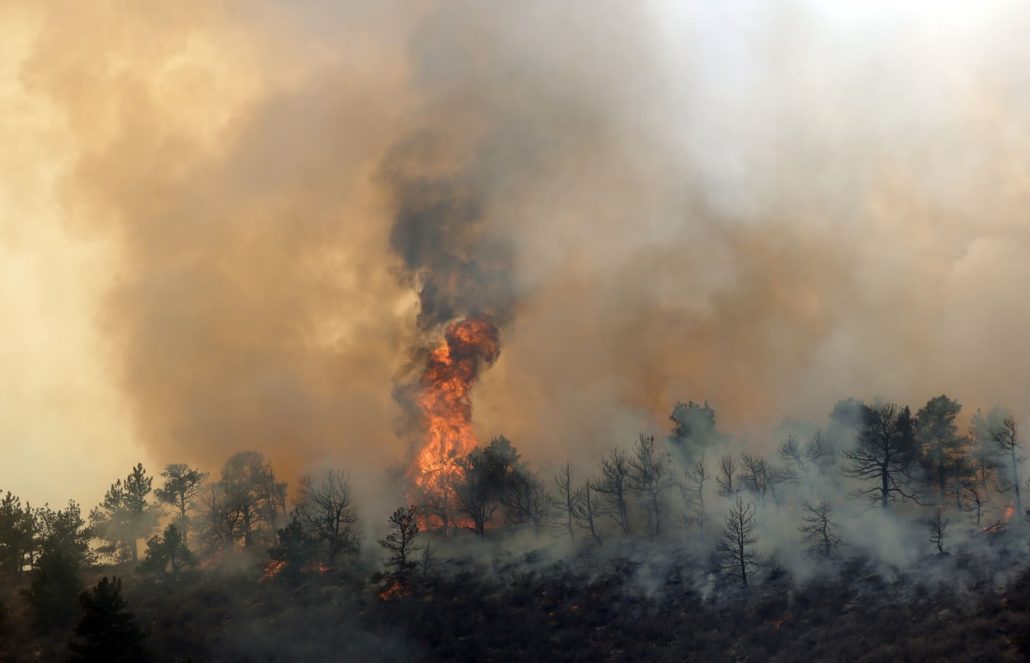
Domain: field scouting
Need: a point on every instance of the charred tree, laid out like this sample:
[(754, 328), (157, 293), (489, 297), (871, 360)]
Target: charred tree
[(737, 557), (1006, 439), (650, 478), (727, 476), (693, 490), (884, 452), (938, 527), (565, 501), (614, 488), (819, 530), (587, 510)]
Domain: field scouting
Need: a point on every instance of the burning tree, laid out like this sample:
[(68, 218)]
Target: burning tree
[(443, 395)]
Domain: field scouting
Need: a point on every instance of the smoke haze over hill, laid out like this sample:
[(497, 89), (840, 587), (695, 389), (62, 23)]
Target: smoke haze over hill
[(248, 215)]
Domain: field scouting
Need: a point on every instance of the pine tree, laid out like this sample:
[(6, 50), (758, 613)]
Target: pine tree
[(107, 631), (400, 544), (168, 555)]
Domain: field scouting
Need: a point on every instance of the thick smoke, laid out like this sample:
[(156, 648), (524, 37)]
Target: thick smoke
[(766, 211)]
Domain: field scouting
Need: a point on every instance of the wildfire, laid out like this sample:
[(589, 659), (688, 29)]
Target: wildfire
[(445, 398), (395, 590)]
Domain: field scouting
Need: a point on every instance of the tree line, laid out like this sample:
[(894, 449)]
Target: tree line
[(658, 489)]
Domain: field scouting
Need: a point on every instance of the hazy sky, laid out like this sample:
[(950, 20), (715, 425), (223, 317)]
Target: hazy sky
[(767, 205)]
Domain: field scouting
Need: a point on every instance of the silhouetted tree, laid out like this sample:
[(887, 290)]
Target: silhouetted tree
[(125, 515), (64, 552), (1006, 438), (524, 498), (938, 526), (759, 477), (940, 445), (819, 530), (479, 483), (246, 503), (614, 486), (727, 476), (694, 427), (794, 459), (848, 413), (821, 453), (974, 499), (400, 545), (327, 511), (693, 490), (984, 453), (296, 549), (107, 631), (17, 528), (565, 501), (884, 452), (735, 549), (179, 491), (587, 510), (167, 554), (650, 478)]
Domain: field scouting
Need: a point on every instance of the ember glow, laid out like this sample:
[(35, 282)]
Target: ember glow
[(445, 397)]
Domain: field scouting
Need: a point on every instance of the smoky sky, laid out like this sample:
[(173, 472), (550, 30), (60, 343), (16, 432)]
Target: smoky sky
[(768, 208)]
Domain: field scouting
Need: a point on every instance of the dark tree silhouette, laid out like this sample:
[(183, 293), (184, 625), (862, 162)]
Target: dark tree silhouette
[(820, 453), (759, 477), (476, 490), (125, 515), (1006, 438), (295, 549), (524, 499), (64, 552), (179, 491), (565, 501), (940, 445), (17, 528), (400, 545), (245, 506), (693, 427), (107, 631), (614, 486), (693, 491), (735, 549), (327, 511), (726, 479), (884, 452), (794, 458), (167, 554), (650, 477), (938, 527), (819, 530), (974, 499), (587, 510)]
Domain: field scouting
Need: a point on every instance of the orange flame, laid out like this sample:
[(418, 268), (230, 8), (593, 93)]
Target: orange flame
[(445, 399)]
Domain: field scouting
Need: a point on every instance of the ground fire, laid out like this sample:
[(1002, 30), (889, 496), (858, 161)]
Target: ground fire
[(445, 398)]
